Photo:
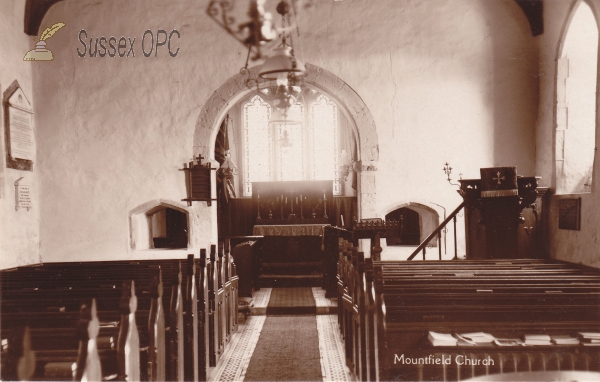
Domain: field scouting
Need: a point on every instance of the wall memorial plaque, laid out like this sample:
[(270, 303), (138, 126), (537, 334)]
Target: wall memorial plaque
[(198, 181), (22, 195), (18, 129), (569, 214)]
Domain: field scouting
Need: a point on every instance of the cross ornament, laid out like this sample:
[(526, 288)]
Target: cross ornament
[(499, 178)]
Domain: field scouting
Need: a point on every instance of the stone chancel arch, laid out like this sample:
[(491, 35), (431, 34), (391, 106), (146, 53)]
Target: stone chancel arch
[(348, 100)]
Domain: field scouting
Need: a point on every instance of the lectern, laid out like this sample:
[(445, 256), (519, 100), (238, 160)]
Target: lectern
[(503, 215)]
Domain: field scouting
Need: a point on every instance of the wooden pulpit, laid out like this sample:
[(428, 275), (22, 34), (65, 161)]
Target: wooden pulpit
[(503, 215)]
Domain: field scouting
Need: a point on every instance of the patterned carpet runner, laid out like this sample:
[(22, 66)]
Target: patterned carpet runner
[(288, 347), (287, 350)]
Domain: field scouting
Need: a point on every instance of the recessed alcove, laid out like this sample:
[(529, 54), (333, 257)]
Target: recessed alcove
[(411, 227), (168, 228), (419, 221), (159, 225)]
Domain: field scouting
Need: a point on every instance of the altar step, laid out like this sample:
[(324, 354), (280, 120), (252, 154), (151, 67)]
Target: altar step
[(291, 274), (295, 268), (290, 281)]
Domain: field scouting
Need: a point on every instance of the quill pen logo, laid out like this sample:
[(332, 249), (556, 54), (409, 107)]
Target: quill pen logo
[(40, 53)]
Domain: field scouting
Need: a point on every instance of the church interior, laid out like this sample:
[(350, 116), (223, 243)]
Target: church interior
[(302, 190)]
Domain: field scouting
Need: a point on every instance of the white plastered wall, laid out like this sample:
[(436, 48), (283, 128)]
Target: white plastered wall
[(453, 82)]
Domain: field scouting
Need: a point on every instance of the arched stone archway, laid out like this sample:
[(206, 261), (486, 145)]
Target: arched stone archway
[(350, 104), (234, 89)]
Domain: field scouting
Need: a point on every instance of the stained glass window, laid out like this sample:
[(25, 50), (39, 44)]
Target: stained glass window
[(290, 147), (297, 147), (324, 141), (257, 143)]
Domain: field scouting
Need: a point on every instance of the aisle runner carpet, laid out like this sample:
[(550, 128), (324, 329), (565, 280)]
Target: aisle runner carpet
[(288, 347)]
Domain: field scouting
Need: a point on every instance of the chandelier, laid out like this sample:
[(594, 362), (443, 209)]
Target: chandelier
[(279, 78)]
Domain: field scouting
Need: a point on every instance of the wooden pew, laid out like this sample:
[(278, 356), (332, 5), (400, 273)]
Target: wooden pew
[(41, 284), (65, 347), (506, 304), (413, 296), (332, 237)]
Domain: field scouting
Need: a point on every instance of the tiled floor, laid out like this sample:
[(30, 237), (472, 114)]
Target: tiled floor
[(234, 363)]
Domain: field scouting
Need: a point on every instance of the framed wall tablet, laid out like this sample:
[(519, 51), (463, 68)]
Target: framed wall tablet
[(18, 129), (198, 181), (569, 214)]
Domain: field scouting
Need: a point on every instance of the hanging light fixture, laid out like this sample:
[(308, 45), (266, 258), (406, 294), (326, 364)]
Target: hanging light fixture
[(280, 76), (254, 33)]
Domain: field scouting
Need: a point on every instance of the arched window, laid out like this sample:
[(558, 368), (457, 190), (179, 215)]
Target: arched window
[(324, 142), (290, 144), (257, 143), (576, 103), (296, 146)]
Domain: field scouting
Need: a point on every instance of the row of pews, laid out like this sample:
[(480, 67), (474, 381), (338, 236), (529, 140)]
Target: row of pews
[(151, 320), (387, 310)]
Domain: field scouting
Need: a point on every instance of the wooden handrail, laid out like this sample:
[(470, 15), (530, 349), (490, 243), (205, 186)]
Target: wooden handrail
[(437, 231)]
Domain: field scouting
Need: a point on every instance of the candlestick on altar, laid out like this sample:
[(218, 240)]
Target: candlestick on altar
[(324, 205), (258, 205), (301, 215)]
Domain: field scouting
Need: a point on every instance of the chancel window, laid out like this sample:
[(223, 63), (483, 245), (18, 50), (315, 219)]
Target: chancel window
[(290, 145), (296, 146), (324, 134), (257, 143)]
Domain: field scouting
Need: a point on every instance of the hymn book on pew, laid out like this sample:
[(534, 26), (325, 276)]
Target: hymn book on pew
[(462, 341), (479, 338), (441, 339), (537, 339), (589, 338), (509, 342), (564, 340)]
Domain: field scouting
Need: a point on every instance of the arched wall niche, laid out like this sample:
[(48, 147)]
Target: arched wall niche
[(429, 216), (140, 235), (349, 102)]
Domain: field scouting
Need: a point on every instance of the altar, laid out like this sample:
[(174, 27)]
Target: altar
[(291, 243), (290, 230)]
